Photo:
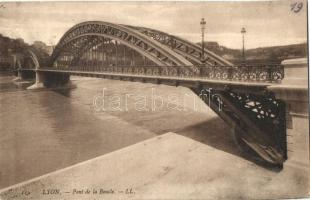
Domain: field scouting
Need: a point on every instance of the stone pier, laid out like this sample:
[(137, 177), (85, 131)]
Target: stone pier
[(50, 80), (294, 91), (40, 80)]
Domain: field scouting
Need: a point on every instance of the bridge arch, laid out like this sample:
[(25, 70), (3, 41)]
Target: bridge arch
[(187, 49), (34, 58), (31, 58), (153, 50)]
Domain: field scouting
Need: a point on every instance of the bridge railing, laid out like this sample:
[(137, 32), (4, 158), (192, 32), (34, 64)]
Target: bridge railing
[(243, 73)]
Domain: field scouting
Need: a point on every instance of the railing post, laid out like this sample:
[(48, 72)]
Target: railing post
[(199, 71), (269, 73), (144, 70), (229, 72), (248, 72), (178, 71)]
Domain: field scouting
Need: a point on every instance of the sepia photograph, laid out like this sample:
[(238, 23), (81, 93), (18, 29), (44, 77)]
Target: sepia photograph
[(154, 100)]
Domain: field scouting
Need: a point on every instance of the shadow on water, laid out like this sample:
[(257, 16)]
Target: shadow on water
[(67, 92)]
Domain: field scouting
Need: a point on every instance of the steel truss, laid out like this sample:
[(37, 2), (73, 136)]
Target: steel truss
[(189, 50), (257, 120), (155, 51)]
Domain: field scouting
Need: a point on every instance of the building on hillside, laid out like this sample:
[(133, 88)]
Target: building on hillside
[(6, 62)]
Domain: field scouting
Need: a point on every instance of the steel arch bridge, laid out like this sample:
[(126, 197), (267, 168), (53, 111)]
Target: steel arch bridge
[(238, 94), (159, 47)]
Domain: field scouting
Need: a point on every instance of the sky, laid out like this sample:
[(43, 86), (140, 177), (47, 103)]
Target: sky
[(268, 23)]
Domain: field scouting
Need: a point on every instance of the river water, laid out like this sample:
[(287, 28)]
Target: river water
[(43, 131)]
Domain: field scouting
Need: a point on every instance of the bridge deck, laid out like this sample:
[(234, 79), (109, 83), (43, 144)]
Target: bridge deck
[(179, 79)]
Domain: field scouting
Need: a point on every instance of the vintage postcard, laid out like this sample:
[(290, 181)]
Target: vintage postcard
[(154, 100)]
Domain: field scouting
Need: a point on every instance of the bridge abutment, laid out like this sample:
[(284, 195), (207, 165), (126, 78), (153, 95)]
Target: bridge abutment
[(294, 91)]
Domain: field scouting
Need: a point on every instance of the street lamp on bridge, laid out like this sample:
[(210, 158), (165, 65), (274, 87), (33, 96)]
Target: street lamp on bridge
[(203, 27), (243, 31)]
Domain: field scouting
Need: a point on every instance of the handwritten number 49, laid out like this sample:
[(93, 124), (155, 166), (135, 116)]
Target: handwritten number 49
[(296, 7)]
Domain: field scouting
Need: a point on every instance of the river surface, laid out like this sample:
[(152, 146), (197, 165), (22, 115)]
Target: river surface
[(43, 131)]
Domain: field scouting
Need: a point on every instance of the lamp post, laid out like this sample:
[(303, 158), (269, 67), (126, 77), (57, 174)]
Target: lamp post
[(203, 27), (243, 31)]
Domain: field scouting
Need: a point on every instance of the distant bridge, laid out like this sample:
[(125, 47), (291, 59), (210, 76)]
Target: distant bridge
[(106, 50)]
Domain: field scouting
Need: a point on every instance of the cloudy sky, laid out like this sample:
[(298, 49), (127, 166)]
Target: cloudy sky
[(267, 23)]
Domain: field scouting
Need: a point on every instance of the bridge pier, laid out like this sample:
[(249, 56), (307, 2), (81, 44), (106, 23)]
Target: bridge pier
[(17, 75), (24, 75), (294, 91), (39, 83), (55, 79), (50, 80)]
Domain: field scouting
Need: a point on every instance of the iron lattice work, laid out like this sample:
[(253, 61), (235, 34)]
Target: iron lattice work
[(268, 114), (249, 73), (259, 119), (189, 50), (161, 47), (73, 41), (172, 55), (268, 73)]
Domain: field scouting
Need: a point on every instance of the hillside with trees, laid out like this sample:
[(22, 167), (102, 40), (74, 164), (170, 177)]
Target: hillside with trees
[(274, 54), (10, 47)]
